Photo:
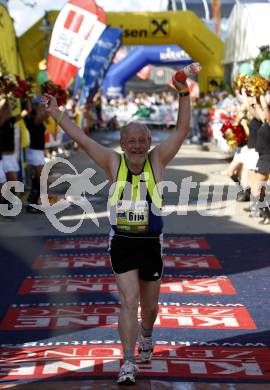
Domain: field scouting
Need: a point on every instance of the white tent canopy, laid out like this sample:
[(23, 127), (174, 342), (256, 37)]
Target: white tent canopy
[(248, 29)]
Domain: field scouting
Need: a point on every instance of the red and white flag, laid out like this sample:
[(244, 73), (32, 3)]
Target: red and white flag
[(76, 31)]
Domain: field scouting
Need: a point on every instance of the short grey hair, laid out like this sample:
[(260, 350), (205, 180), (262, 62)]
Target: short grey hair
[(130, 125)]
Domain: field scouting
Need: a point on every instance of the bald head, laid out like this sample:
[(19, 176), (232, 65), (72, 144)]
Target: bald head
[(132, 127)]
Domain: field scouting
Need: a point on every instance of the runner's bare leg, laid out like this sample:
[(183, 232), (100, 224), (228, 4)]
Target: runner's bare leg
[(149, 295), (128, 285)]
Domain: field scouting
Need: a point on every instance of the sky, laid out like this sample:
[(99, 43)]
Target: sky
[(26, 12)]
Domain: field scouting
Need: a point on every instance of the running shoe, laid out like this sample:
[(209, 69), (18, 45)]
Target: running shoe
[(145, 348), (127, 373), (243, 195)]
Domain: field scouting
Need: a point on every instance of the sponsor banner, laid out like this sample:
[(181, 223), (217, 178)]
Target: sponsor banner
[(170, 242), (191, 261), (102, 342), (78, 316), (99, 60), (73, 261), (214, 363), (102, 260), (76, 31), (95, 284), (76, 243), (197, 285)]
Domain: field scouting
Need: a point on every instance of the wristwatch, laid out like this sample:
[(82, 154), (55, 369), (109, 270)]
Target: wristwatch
[(184, 93)]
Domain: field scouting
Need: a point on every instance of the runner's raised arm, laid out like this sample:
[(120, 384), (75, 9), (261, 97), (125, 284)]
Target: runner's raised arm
[(166, 150), (107, 159)]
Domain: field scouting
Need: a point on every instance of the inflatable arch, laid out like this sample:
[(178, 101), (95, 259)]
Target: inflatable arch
[(181, 28), (137, 58)]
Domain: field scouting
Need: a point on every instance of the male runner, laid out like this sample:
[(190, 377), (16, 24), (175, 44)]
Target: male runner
[(136, 233)]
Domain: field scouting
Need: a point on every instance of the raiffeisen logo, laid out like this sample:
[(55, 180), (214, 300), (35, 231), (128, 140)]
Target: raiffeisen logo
[(171, 55), (157, 28), (134, 32)]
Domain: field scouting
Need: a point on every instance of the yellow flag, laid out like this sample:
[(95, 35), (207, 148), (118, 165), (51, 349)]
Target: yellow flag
[(9, 55)]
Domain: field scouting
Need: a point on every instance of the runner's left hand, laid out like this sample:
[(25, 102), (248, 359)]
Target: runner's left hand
[(183, 86)]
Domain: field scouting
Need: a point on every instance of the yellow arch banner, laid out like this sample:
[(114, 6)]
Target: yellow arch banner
[(182, 28), (9, 55)]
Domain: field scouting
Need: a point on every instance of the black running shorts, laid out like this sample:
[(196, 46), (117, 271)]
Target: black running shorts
[(142, 253), (263, 164)]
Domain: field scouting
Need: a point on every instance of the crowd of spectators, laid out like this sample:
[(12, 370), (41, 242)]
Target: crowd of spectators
[(156, 110)]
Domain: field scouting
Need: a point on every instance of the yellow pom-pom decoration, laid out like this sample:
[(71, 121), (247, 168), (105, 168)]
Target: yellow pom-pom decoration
[(253, 85)]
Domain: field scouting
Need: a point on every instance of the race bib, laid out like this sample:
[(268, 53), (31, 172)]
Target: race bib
[(132, 216)]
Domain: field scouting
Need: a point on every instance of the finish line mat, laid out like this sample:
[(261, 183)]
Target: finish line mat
[(59, 310)]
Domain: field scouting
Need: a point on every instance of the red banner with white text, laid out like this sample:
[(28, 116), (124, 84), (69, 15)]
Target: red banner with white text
[(76, 31)]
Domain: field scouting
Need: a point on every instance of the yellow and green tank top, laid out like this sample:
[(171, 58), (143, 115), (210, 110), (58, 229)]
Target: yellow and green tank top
[(135, 204)]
